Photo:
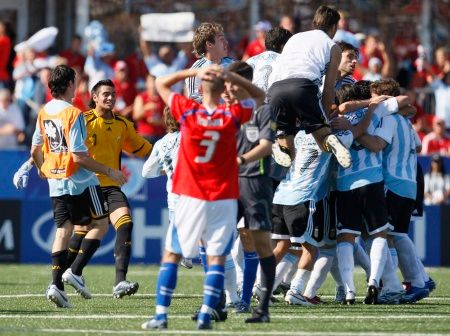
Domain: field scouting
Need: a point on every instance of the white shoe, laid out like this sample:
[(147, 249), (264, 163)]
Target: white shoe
[(281, 155), (349, 298), (125, 288), (77, 282), (186, 263), (58, 297), (342, 154), (294, 298)]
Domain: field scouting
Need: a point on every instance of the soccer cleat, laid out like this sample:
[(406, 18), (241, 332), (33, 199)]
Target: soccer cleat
[(77, 282), (204, 325), (57, 296), (294, 298), (430, 284), (340, 294), (406, 285), (349, 298), (258, 292), (258, 316), (125, 288), (218, 315), (153, 323), (390, 297), (281, 155), (342, 154), (186, 263), (242, 307), (314, 300), (415, 294), (372, 295), (282, 289)]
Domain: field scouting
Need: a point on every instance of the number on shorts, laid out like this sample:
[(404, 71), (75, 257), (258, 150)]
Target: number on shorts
[(210, 145)]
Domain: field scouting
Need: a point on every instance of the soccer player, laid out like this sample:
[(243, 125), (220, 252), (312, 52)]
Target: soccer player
[(254, 146), (262, 64), (206, 180), (60, 155), (294, 87), (211, 46), (360, 198), (103, 125), (399, 144)]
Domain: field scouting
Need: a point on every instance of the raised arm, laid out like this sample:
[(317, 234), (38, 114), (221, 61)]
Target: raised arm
[(328, 96)]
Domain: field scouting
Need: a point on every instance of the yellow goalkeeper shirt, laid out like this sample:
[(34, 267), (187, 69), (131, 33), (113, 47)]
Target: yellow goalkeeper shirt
[(107, 138)]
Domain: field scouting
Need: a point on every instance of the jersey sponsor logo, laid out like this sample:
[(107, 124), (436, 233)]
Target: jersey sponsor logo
[(205, 122), (55, 135)]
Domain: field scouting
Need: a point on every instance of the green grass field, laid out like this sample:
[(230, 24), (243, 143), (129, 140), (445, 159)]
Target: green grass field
[(24, 309)]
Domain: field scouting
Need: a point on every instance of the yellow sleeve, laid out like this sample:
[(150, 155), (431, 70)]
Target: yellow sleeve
[(135, 143)]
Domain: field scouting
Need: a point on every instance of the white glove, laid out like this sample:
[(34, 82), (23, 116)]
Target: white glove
[(20, 178)]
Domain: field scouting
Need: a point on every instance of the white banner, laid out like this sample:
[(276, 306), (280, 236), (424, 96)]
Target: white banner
[(173, 27)]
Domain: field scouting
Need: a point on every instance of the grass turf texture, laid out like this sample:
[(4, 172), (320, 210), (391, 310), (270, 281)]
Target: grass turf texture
[(24, 309)]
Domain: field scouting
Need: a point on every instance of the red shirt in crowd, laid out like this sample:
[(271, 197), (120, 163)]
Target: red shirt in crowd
[(254, 48), (5, 50), (74, 60), (125, 94), (154, 107), (434, 144)]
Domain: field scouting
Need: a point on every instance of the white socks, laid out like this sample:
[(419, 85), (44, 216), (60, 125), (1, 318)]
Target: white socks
[(320, 271), (300, 280), (407, 261), (230, 285), (346, 264), (378, 256)]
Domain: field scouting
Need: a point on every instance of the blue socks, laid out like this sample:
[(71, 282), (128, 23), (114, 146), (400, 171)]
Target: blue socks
[(212, 290), (202, 253), (251, 262), (167, 281)]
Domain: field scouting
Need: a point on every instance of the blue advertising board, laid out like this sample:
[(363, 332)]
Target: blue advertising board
[(27, 228)]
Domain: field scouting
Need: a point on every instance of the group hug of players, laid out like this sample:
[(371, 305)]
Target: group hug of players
[(287, 148)]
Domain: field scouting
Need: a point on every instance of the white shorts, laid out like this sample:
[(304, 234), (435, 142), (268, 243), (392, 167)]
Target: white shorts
[(212, 222)]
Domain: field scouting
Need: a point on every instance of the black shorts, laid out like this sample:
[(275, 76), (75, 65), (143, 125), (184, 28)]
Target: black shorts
[(255, 201), (299, 223), (365, 205), (330, 219), (418, 204), (296, 99), (399, 212), (80, 209), (115, 197)]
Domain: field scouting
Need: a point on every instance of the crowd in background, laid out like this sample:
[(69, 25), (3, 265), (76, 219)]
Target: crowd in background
[(24, 73)]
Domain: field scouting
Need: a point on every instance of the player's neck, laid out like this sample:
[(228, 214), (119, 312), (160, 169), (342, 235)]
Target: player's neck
[(210, 101), (104, 113), (213, 58)]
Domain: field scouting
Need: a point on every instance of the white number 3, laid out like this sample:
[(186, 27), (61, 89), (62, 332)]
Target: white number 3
[(210, 145)]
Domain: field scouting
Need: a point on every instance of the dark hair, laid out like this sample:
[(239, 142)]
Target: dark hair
[(325, 18), (440, 161), (387, 86), (364, 89), (242, 69), (346, 93), (96, 88), (171, 124), (347, 46), (276, 38), (60, 79)]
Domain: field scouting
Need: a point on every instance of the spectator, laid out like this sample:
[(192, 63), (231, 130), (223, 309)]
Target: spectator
[(374, 71), (125, 90), (5, 51), (165, 63), (436, 141), (373, 47), (343, 34), (257, 46), (97, 65), (148, 112), (73, 56), (82, 94), (437, 183), (137, 70), (287, 22), (441, 90), (442, 62), (11, 122)]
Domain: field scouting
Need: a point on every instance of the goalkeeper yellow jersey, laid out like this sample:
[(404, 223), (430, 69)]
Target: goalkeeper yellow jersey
[(107, 138)]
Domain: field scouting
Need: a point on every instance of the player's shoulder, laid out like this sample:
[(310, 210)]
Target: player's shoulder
[(123, 121), (201, 62)]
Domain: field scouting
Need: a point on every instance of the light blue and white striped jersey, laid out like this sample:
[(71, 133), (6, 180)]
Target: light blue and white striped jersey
[(399, 156), (346, 80), (366, 165), (308, 176), (193, 83), (262, 65), (164, 158)]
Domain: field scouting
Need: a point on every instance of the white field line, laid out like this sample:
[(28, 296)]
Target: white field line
[(415, 317), (215, 332), (182, 295)]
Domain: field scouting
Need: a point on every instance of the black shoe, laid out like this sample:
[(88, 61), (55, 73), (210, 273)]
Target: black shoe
[(259, 316), (204, 326), (216, 315), (372, 295)]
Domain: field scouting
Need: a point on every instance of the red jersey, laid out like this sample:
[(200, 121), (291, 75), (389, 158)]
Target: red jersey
[(206, 167), (153, 112)]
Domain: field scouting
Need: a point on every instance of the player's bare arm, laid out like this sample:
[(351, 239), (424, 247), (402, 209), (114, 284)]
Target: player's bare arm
[(263, 149)]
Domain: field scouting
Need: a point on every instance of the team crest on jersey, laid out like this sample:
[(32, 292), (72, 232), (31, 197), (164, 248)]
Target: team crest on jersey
[(252, 133), (55, 135)]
